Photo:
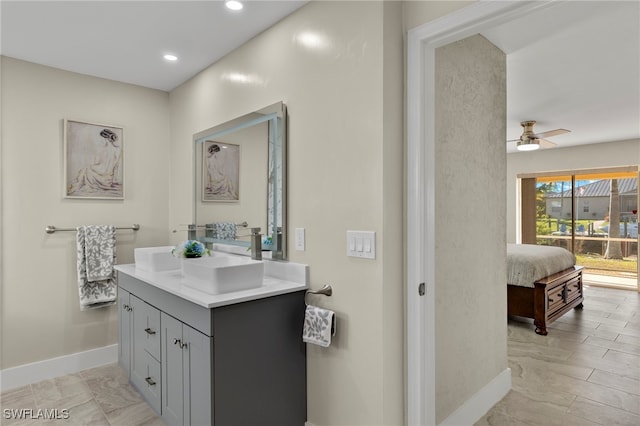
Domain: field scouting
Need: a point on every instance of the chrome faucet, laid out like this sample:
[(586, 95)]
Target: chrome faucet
[(256, 244)]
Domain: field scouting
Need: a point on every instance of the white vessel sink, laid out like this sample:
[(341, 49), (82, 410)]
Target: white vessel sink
[(222, 274), (155, 259)]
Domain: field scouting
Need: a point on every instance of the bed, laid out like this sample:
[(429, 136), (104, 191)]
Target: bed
[(543, 283)]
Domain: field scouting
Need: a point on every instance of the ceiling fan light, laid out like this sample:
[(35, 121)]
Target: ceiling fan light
[(528, 145), (234, 5)]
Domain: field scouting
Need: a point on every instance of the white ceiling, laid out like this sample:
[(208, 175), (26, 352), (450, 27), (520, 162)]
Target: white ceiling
[(572, 65), (126, 40)]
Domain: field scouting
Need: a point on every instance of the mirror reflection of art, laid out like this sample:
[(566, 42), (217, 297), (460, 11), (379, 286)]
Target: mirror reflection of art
[(94, 166), (220, 171)]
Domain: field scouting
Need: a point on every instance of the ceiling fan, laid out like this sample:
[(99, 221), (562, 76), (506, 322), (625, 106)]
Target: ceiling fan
[(530, 141)]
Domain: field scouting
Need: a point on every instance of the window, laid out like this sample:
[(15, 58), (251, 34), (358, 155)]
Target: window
[(592, 213)]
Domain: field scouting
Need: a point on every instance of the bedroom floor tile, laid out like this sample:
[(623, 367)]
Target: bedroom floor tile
[(615, 381), (630, 348), (626, 330), (586, 371), (624, 338)]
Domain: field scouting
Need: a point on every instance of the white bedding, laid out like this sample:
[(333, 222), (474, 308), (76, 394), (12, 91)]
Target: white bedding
[(527, 263)]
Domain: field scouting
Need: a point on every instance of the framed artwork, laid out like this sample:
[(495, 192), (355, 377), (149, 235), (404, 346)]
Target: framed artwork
[(220, 171), (93, 161)]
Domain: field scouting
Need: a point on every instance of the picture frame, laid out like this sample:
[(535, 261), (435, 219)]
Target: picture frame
[(220, 171), (93, 161)]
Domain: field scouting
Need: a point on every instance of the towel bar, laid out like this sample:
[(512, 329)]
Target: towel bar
[(326, 290), (50, 229), (191, 227)]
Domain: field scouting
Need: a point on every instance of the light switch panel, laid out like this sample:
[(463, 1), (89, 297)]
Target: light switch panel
[(300, 239), (361, 244)]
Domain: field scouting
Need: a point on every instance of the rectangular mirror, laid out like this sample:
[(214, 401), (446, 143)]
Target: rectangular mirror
[(240, 181)]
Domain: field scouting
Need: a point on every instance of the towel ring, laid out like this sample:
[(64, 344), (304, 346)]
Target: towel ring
[(325, 290)]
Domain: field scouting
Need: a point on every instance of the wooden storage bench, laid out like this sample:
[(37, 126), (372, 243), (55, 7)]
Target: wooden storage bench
[(551, 297)]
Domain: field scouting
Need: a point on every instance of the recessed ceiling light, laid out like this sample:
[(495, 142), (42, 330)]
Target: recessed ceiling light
[(234, 5), (170, 57)]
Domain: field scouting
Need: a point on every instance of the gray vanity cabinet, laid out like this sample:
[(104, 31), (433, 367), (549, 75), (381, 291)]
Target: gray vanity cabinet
[(187, 367), (239, 364)]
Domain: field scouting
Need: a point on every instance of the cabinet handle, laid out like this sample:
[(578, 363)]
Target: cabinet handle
[(150, 381), (149, 331), (179, 343)]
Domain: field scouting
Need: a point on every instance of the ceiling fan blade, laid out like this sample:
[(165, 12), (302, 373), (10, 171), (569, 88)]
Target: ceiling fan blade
[(513, 140), (546, 144), (550, 133)]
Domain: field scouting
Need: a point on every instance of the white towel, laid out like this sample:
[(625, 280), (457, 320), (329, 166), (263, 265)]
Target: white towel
[(319, 326), (96, 255)]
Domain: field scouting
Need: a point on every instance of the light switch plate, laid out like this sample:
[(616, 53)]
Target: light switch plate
[(361, 244), (300, 239)]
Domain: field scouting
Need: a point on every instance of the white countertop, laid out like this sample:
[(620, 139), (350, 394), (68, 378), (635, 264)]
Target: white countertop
[(173, 282)]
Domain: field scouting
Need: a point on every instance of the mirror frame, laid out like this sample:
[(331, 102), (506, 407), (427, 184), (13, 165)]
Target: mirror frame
[(276, 117)]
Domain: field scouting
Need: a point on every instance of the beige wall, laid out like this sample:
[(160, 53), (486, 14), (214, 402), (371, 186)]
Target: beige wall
[(344, 99), (610, 154), (391, 240), (471, 327), (40, 314)]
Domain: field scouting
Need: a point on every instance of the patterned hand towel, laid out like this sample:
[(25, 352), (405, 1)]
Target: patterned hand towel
[(319, 326), (96, 255), (226, 230)]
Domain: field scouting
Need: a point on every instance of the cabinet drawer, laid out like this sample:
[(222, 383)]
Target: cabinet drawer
[(147, 379), (555, 298), (146, 326), (574, 289)]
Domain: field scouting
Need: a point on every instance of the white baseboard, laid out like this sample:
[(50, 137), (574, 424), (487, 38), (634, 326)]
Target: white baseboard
[(479, 404), (26, 374)]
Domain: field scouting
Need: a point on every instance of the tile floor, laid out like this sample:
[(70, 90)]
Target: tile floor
[(101, 396), (585, 372)]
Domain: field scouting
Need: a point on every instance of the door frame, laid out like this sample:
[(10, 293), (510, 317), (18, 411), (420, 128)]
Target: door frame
[(422, 42)]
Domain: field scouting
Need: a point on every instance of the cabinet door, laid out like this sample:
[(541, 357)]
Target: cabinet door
[(197, 371), (186, 368), (124, 331), (172, 357)]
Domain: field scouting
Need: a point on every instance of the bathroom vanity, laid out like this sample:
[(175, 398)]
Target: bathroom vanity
[(235, 358)]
